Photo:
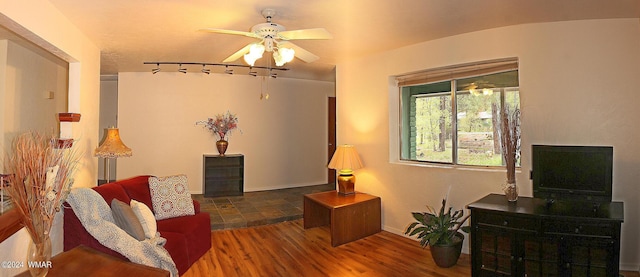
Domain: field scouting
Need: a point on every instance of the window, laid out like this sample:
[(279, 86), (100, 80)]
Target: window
[(456, 120)]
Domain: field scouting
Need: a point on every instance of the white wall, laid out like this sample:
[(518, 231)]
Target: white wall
[(284, 139), (44, 25), (26, 106), (28, 81), (578, 85)]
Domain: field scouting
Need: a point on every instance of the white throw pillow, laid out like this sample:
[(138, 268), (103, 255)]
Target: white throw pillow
[(126, 219), (170, 196), (146, 218)]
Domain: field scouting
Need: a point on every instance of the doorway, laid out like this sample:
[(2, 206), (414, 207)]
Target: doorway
[(331, 125)]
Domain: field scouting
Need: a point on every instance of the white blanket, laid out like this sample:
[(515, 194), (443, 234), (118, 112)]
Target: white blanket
[(95, 215)]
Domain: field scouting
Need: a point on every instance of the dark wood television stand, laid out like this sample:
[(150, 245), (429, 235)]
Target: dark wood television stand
[(529, 237)]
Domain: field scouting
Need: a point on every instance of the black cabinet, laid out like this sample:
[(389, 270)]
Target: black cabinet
[(530, 238), (223, 175)]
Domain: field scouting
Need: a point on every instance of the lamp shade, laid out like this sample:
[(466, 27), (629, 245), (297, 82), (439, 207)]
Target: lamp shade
[(112, 147), (345, 157)]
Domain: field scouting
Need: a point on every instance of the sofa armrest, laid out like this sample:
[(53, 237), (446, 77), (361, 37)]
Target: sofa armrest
[(196, 206), (75, 234)]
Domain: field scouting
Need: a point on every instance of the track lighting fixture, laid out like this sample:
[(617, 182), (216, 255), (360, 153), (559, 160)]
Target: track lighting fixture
[(205, 70), (182, 69), (156, 70), (228, 68), (252, 73)]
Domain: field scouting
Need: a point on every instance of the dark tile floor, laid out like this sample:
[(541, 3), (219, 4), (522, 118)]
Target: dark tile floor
[(257, 208)]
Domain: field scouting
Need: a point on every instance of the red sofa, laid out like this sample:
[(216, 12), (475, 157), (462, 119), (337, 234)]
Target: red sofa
[(188, 237)]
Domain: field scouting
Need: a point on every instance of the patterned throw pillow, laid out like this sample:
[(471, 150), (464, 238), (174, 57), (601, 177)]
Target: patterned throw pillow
[(146, 218), (170, 196)]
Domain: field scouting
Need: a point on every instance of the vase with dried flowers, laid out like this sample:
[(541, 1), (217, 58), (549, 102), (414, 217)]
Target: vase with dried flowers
[(221, 125), (40, 179), (510, 142)]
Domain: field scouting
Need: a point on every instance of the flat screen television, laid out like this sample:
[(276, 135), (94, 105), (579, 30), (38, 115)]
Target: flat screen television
[(582, 173)]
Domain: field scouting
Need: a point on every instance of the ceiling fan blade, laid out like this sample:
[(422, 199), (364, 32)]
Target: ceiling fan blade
[(231, 32), (317, 33), (238, 54), (300, 53)]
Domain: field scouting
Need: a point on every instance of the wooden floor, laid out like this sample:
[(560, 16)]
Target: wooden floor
[(286, 249)]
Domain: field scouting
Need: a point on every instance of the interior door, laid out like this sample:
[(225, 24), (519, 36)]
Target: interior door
[(331, 125)]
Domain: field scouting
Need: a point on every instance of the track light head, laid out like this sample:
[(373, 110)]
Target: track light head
[(252, 73), (227, 70), (156, 70), (183, 70), (205, 70)]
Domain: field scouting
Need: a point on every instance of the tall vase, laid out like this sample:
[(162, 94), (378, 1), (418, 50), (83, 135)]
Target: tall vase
[(511, 191), (39, 257), (222, 146)]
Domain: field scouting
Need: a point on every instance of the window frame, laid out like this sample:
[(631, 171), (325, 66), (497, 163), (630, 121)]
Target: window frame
[(439, 75)]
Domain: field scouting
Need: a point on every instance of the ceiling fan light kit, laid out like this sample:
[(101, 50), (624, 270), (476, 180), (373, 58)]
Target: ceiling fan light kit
[(274, 38), (255, 52), (283, 55)]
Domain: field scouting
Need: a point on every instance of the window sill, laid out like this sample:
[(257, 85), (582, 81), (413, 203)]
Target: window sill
[(10, 223), (454, 166)]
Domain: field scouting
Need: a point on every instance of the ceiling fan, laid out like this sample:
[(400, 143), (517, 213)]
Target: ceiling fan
[(479, 87), (274, 38)]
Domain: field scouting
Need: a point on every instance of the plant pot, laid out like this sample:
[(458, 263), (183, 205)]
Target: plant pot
[(447, 255)]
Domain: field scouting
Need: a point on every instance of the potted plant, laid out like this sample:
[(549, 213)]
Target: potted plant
[(41, 177), (441, 232)]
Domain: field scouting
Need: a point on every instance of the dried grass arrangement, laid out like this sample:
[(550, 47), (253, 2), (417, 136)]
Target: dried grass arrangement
[(40, 179), (510, 140)]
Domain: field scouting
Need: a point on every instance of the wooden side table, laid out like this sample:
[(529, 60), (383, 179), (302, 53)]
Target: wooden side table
[(85, 261), (351, 217)]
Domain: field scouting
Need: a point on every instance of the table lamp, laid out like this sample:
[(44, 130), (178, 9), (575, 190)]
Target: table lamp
[(345, 160), (112, 148)]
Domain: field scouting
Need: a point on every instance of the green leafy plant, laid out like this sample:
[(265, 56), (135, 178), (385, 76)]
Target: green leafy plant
[(437, 229)]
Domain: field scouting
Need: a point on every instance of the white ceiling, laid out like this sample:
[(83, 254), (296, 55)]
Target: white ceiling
[(130, 32)]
